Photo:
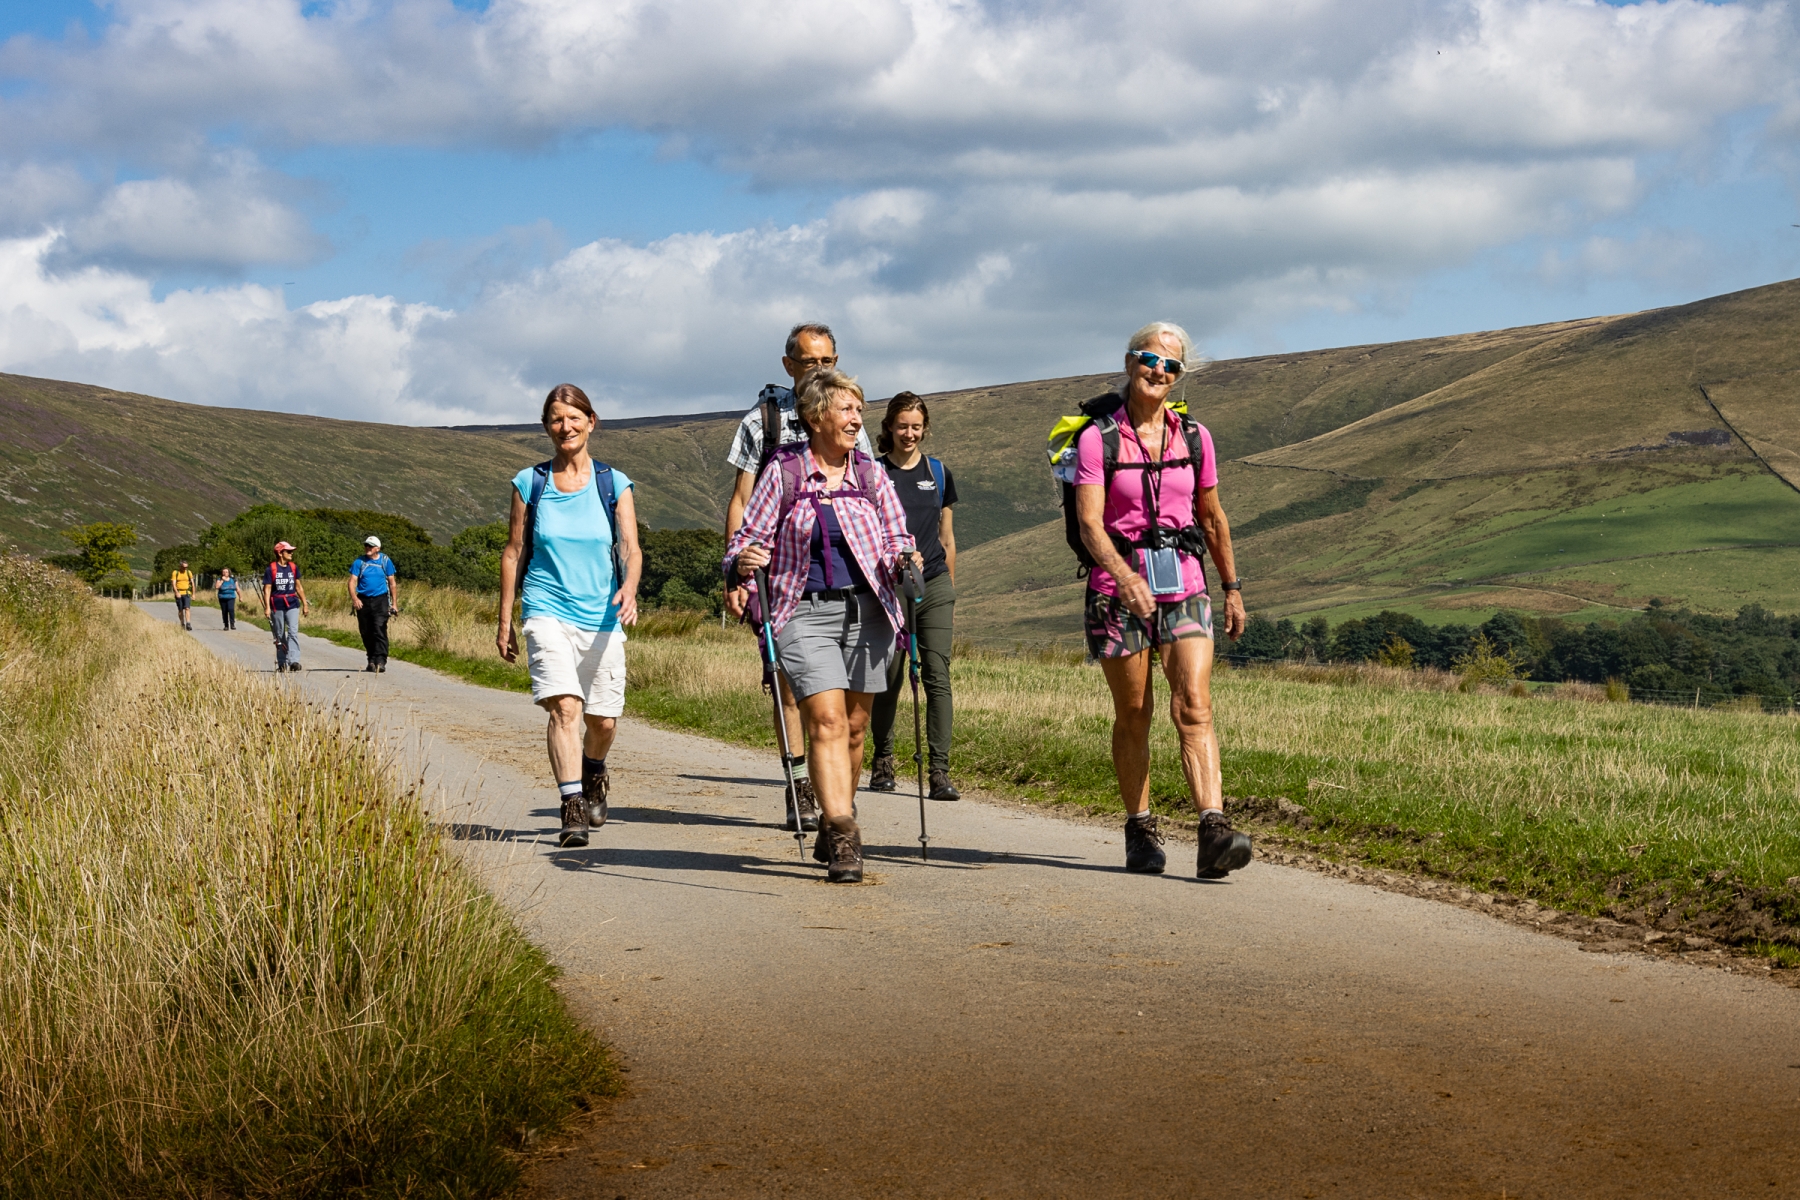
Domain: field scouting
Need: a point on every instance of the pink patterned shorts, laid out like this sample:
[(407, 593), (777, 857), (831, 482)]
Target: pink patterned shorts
[(1113, 631)]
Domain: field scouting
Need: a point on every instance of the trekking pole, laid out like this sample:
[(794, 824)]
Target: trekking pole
[(781, 729), (912, 587)]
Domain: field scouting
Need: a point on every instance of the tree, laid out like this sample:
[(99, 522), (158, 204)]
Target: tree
[(100, 544)]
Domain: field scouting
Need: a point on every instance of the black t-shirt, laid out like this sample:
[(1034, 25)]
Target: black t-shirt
[(918, 496)]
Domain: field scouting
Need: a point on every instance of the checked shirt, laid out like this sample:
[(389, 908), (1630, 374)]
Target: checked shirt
[(875, 533)]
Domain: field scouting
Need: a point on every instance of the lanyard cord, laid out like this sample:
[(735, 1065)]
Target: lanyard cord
[(1152, 475)]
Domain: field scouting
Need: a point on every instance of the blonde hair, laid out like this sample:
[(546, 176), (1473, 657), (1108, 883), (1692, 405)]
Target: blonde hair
[(812, 398)]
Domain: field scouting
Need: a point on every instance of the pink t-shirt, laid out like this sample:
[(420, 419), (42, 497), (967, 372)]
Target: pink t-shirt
[(1127, 511)]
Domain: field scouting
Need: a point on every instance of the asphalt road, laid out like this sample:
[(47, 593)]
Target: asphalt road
[(1018, 1017)]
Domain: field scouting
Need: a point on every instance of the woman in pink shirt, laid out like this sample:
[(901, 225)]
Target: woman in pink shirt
[(1147, 499)]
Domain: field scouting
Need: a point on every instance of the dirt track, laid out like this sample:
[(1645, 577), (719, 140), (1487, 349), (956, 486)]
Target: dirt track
[(1020, 1018)]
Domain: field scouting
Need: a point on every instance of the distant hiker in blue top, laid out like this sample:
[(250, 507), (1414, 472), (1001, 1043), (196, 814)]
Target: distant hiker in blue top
[(572, 535), (226, 593), (375, 595)]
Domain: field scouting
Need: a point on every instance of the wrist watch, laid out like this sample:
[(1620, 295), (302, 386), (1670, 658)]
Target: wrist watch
[(1236, 585)]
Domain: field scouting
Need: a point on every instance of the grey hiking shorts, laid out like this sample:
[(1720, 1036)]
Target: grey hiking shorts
[(836, 645)]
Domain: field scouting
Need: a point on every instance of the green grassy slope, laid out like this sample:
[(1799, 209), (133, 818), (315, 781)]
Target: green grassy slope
[(70, 453), (1433, 474)]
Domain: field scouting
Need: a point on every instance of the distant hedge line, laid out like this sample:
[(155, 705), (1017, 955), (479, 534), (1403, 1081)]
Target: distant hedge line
[(681, 566), (1656, 652)]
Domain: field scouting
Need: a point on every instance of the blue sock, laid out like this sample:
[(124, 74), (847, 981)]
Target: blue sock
[(592, 764)]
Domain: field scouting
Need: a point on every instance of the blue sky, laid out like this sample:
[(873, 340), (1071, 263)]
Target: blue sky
[(416, 211)]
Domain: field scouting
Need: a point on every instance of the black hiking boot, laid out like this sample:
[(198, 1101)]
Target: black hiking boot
[(574, 823), (809, 808), (1144, 847), (370, 669), (883, 774), (381, 666), (845, 862), (594, 787), (941, 787), (1222, 848)]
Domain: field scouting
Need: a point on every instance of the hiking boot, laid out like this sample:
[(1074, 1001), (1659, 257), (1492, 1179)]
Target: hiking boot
[(845, 863), (369, 670), (382, 666), (594, 786), (809, 807), (883, 774), (1144, 847), (1222, 848), (941, 787), (574, 823)]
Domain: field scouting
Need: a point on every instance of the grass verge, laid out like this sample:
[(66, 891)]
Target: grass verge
[(234, 958), (1669, 818)]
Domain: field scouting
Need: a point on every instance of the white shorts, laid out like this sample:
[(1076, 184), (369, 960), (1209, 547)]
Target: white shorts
[(566, 661)]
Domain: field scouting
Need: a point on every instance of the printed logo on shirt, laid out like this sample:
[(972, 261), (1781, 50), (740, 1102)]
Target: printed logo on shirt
[(926, 485)]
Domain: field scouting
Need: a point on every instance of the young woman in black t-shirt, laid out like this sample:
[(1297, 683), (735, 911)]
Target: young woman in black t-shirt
[(927, 493)]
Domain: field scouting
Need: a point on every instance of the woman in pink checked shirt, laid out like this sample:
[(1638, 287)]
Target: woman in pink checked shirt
[(838, 533)]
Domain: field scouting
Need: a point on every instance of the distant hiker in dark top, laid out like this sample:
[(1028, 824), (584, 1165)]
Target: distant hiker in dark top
[(826, 523), (927, 492), (773, 423), (375, 595), (284, 599), (227, 597), (572, 554), (181, 582), (1147, 498)]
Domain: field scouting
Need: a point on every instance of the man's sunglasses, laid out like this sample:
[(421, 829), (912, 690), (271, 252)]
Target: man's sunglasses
[(810, 363), (1154, 361)]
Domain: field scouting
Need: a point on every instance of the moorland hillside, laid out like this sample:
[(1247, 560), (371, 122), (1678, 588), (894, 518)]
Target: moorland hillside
[(1579, 467)]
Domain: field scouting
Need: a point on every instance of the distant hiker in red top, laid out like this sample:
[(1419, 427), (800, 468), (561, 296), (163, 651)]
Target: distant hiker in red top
[(284, 599)]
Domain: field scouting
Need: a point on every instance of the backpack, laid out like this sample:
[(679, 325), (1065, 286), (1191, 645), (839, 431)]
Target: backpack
[(772, 427), (609, 499), (1103, 411)]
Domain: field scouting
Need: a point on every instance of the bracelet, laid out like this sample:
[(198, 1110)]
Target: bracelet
[(1236, 585)]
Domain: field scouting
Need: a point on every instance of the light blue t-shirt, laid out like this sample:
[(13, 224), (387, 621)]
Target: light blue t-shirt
[(570, 576)]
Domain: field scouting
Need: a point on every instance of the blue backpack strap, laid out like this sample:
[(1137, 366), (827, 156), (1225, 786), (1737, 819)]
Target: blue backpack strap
[(540, 479), (937, 473), (608, 488)]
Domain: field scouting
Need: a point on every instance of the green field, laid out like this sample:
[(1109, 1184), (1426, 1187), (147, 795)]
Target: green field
[(1651, 814)]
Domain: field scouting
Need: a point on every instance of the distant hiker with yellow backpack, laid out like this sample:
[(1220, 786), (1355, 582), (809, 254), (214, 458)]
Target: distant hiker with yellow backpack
[(181, 582), (775, 422), (572, 554), (1140, 492)]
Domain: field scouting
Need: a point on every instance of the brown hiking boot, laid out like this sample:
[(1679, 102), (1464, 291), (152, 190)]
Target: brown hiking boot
[(594, 787), (809, 807), (883, 773), (1222, 848), (941, 787), (574, 823), (845, 865)]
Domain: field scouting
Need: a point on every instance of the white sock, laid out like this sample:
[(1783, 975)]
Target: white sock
[(569, 789)]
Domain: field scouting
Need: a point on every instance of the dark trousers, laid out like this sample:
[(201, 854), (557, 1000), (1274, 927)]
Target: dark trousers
[(228, 611), (372, 622), (936, 628)]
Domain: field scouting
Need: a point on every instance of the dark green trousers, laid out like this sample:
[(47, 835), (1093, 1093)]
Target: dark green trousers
[(937, 614)]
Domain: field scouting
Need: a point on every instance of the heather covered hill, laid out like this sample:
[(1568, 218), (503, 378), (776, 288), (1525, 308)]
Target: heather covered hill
[(1578, 468)]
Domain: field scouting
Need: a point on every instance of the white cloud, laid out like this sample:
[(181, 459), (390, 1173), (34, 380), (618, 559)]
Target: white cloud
[(1022, 182)]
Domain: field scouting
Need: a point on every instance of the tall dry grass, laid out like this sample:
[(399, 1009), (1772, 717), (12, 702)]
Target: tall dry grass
[(234, 959)]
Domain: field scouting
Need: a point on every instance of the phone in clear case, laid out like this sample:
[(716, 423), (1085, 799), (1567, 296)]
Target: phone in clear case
[(1162, 569)]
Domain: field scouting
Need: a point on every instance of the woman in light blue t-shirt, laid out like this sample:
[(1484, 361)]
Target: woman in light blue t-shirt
[(576, 603)]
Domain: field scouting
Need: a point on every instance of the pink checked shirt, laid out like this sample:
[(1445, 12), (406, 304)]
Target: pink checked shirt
[(874, 532)]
